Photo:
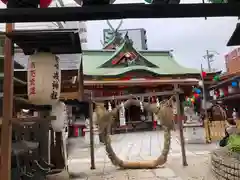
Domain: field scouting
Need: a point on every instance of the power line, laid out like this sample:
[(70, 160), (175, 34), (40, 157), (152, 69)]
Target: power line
[(210, 58)]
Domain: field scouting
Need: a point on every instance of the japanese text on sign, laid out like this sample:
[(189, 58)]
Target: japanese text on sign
[(55, 82), (32, 81)]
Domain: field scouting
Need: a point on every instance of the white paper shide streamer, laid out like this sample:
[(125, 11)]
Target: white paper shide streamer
[(44, 78), (59, 110), (154, 115), (230, 90), (122, 115), (109, 106)]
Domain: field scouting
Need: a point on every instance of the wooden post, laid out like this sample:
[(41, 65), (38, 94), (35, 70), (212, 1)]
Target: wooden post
[(6, 134), (180, 126), (81, 81), (42, 135), (91, 134), (206, 119), (59, 161)]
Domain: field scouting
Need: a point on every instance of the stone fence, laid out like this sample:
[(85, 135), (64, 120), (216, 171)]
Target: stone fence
[(225, 165)]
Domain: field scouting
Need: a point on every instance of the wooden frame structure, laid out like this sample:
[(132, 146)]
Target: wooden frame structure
[(85, 13), (8, 91), (6, 134), (115, 12), (176, 92)]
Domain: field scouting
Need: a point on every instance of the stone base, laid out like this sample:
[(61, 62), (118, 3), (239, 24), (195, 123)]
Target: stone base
[(95, 136), (194, 133), (225, 165)]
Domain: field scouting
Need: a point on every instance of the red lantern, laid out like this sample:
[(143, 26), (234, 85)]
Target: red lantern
[(204, 74), (45, 3), (4, 1)]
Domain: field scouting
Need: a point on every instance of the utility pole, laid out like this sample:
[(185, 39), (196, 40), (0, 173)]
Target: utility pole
[(209, 57)]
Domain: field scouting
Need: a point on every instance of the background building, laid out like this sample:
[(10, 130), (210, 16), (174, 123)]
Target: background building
[(67, 61), (138, 36), (81, 26), (232, 60)]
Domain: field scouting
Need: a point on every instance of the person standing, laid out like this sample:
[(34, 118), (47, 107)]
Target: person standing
[(231, 128)]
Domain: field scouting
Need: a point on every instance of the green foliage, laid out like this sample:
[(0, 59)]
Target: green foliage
[(234, 143), (187, 104)]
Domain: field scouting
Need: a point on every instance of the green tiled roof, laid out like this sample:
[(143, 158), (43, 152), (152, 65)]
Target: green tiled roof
[(93, 59)]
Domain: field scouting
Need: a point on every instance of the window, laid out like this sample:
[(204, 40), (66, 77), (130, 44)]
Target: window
[(82, 30)]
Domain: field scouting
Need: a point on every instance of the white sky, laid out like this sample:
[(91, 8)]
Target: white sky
[(188, 37)]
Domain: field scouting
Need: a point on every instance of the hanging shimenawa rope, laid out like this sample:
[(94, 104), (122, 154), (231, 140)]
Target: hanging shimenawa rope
[(221, 109), (164, 113)]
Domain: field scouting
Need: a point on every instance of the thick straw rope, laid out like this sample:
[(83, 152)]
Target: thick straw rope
[(164, 112)]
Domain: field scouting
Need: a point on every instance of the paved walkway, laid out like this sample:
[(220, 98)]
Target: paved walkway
[(135, 146)]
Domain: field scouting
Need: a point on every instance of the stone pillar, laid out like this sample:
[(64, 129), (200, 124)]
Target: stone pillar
[(193, 129), (95, 130)]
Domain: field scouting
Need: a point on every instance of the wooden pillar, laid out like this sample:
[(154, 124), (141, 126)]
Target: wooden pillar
[(91, 134), (59, 160), (6, 134), (52, 147), (180, 126), (116, 118), (43, 136), (81, 81), (56, 149), (206, 119)]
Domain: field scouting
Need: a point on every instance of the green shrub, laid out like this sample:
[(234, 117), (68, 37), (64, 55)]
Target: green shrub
[(234, 143)]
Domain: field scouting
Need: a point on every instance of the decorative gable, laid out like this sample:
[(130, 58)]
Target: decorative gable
[(126, 56), (112, 37)]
